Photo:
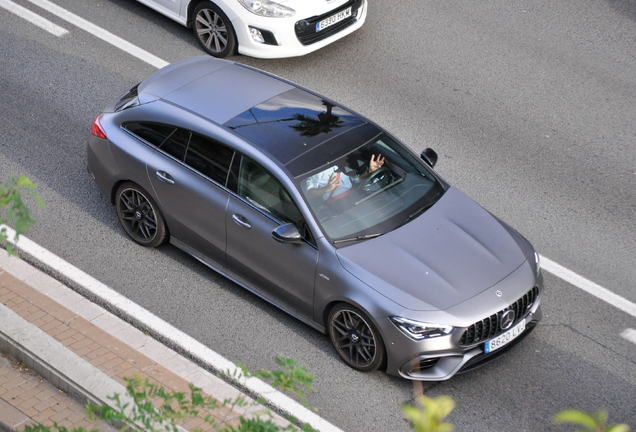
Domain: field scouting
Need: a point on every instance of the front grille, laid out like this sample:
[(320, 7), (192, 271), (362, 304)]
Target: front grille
[(489, 327), (483, 358), (306, 29)]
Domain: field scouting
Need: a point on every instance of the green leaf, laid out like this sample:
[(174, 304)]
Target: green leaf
[(430, 415), (13, 210), (577, 417), (618, 428)]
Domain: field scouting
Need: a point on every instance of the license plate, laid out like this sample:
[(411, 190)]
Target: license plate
[(505, 338), (333, 19)]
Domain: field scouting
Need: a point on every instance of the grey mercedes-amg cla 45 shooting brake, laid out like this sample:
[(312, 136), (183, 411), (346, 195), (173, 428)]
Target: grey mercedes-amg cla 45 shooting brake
[(319, 211)]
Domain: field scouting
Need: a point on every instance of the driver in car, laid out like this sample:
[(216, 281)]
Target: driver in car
[(333, 185)]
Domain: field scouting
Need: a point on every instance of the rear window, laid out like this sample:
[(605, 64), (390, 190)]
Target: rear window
[(153, 133), (209, 158), (175, 145)]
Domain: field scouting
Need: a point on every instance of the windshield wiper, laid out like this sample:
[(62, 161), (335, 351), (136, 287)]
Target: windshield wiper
[(417, 213), (362, 237)]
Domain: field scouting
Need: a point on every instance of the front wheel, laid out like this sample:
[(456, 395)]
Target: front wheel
[(139, 215), (355, 338), (213, 30)]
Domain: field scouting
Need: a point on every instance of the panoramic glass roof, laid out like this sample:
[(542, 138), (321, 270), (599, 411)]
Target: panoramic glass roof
[(296, 122)]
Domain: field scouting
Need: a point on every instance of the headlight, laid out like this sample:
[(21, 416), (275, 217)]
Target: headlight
[(418, 330), (537, 260), (267, 8)]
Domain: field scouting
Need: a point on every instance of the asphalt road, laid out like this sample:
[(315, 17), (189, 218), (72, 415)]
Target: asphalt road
[(532, 108)]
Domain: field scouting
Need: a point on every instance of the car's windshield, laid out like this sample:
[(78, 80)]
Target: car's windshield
[(370, 191)]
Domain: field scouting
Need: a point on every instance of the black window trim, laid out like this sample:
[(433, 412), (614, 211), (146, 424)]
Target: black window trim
[(182, 162)]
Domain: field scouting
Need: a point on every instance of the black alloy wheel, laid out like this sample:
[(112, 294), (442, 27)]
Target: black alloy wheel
[(355, 338), (139, 215), (213, 30)]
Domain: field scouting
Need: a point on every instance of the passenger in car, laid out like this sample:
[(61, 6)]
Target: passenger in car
[(333, 184)]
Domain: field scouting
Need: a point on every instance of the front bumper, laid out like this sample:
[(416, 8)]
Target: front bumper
[(446, 359), (442, 366), (440, 358), (284, 32)]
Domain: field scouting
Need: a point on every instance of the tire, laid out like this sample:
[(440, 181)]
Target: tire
[(355, 338), (213, 30), (139, 215)]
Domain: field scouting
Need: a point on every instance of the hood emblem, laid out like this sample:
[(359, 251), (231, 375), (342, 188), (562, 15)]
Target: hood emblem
[(507, 319), (498, 293)]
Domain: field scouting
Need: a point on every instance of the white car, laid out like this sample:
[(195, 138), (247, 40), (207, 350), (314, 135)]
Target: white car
[(265, 28)]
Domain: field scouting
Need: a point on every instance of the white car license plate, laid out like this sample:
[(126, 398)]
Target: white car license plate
[(505, 338), (333, 19)]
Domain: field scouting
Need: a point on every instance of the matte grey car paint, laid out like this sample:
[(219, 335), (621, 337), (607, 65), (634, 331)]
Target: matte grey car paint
[(445, 267), (455, 230), (283, 270)]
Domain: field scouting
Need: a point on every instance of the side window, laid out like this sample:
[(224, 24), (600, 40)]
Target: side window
[(153, 133), (260, 188), (175, 145), (209, 158)]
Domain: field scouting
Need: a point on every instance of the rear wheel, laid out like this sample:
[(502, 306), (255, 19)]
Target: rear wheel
[(213, 30), (139, 215), (355, 338)]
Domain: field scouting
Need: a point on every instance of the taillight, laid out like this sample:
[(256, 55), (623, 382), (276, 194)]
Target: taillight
[(97, 129)]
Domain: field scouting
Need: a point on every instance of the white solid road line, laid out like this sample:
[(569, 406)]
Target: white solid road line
[(165, 331), (100, 33), (33, 18), (629, 334), (588, 286)]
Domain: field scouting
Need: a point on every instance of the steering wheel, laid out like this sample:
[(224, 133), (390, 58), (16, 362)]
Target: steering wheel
[(370, 184)]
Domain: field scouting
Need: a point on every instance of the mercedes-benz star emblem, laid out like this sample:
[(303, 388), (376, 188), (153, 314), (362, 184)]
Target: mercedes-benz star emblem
[(507, 319)]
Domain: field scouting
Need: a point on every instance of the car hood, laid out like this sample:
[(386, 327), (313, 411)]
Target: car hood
[(452, 252)]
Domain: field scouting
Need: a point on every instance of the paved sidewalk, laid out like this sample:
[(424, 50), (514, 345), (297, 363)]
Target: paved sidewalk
[(66, 350), (26, 398)]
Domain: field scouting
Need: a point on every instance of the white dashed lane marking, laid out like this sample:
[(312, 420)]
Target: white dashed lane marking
[(99, 32), (630, 335), (33, 18)]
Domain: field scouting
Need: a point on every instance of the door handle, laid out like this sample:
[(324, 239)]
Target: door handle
[(165, 177), (241, 221)]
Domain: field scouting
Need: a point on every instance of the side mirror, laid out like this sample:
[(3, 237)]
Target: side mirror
[(429, 156), (287, 233)]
